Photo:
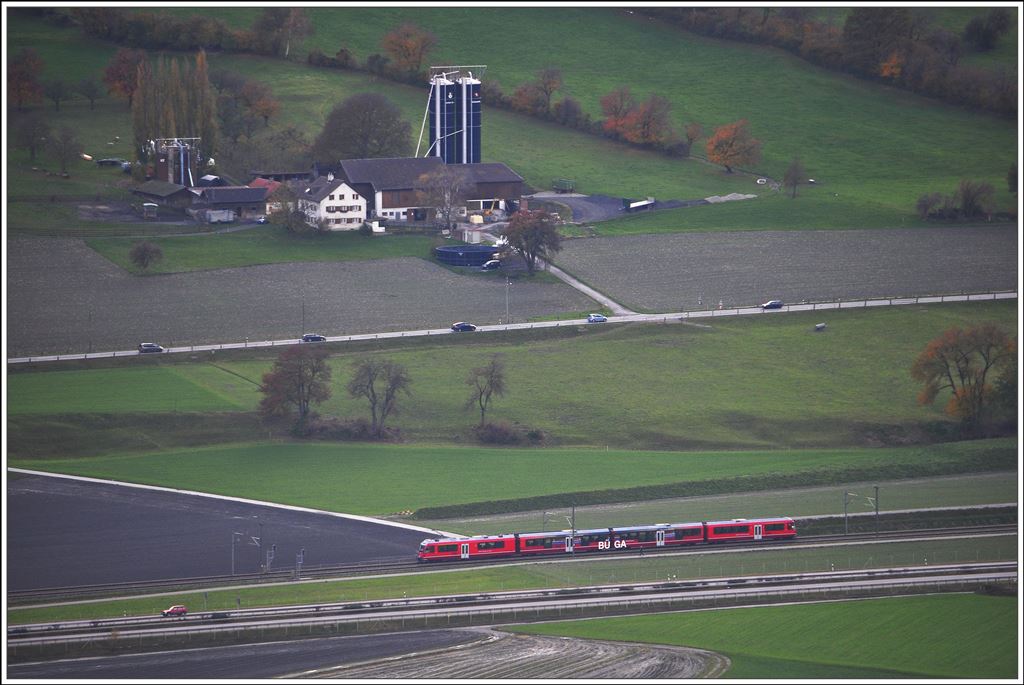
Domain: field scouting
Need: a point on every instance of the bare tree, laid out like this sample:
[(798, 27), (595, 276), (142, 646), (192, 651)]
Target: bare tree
[(445, 190), (975, 198), (379, 381), (145, 253), (795, 175), (31, 133), (65, 147), (549, 80), (58, 91), (90, 89), (485, 382)]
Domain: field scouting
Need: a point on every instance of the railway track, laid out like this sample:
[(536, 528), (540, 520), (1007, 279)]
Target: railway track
[(17, 598)]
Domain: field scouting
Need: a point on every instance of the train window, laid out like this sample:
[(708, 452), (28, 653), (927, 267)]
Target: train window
[(496, 544), (725, 530), (539, 542), (773, 527), (447, 548), (688, 533)]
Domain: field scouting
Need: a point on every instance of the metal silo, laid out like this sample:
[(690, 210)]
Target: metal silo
[(444, 122), (468, 114)]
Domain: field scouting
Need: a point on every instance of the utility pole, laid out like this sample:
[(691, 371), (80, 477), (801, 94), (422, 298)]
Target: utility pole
[(846, 515), (508, 283), (573, 538), (258, 541), (876, 510)]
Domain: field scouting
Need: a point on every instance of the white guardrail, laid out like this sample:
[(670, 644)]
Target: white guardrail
[(651, 318)]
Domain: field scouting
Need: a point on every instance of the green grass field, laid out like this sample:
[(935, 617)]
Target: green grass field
[(950, 636), (688, 387), (375, 479), (954, 491), (534, 575), (871, 168)]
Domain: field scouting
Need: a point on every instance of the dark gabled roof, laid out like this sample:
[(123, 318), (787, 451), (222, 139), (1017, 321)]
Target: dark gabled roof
[(234, 194), (491, 172), (399, 173), (159, 188), (320, 188)]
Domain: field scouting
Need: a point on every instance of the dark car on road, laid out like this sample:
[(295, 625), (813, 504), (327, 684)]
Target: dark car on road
[(150, 347), (463, 327), (313, 337), (772, 304)]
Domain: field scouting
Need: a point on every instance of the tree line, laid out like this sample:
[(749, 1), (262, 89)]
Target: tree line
[(900, 46), (404, 53), (301, 378), (976, 366)]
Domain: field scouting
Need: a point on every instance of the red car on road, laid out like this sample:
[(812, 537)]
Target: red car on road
[(176, 610)]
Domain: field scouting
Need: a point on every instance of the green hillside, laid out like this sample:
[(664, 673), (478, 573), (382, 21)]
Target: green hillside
[(872, 149)]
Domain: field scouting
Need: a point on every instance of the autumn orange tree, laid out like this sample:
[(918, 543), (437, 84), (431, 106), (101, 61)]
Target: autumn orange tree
[(23, 71), (121, 75), (961, 361), (299, 378), (732, 145), (408, 45)]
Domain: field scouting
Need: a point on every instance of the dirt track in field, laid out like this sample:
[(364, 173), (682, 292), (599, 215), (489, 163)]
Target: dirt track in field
[(507, 656)]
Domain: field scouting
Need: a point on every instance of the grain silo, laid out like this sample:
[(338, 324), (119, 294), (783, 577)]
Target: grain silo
[(454, 114)]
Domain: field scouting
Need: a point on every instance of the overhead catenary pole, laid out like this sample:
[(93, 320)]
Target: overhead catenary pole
[(876, 510)]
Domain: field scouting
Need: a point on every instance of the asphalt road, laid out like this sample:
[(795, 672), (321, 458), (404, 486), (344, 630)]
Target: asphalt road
[(63, 532)]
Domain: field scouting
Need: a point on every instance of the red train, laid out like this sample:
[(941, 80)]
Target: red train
[(659, 535)]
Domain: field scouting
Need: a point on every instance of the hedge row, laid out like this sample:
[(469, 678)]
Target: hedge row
[(1001, 460)]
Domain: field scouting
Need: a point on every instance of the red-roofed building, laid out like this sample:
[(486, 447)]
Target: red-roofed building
[(275, 203)]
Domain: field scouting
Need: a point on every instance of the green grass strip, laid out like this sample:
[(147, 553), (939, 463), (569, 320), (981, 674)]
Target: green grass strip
[(952, 636), (376, 479)]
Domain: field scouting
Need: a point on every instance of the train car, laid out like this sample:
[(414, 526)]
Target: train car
[(777, 528), (657, 535), (477, 547), (562, 541)]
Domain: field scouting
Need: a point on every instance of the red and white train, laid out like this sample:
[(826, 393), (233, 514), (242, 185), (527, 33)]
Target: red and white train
[(659, 536)]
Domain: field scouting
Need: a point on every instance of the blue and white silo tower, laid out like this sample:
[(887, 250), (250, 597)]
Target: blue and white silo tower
[(444, 122), (468, 114)]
